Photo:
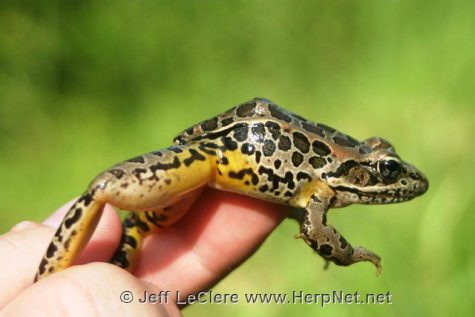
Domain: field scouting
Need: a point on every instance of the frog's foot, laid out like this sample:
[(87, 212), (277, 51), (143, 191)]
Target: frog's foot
[(126, 255), (333, 247), (361, 254), (139, 224)]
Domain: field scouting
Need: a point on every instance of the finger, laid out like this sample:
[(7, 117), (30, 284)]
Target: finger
[(104, 240), (55, 219), (23, 247), (21, 250), (220, 232), (89, 290)]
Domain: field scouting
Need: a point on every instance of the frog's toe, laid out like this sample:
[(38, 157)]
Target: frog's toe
[(362, 254)]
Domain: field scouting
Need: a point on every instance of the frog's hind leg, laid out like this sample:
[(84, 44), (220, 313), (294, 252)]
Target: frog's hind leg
[(72, 234), (137, 225), (130, 243), (148, 182)]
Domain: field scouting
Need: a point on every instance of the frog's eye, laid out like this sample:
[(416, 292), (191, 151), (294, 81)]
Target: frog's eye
[(390, 170)]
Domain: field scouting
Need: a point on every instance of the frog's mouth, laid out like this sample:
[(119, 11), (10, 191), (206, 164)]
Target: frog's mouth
[(411, 184), (378, 196)]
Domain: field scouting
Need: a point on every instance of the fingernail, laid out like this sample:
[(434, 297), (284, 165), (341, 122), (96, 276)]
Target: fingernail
[(24, 225)]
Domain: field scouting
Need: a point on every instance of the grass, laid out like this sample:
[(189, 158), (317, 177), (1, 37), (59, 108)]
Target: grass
[(85, 85)]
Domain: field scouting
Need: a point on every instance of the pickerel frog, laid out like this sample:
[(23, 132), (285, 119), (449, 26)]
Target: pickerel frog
[(256, 149)]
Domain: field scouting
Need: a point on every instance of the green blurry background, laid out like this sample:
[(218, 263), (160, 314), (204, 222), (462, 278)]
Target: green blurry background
[(84, 85)]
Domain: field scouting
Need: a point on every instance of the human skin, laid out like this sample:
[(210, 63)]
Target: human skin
[(219, 232)]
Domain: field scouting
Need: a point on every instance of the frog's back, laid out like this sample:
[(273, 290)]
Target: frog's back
[(247, 111), (262, 110)]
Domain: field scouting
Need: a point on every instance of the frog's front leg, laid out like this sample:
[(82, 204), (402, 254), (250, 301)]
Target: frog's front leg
[(153, 181), (327, 241)]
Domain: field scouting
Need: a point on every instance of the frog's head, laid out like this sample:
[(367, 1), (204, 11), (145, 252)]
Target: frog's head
[(377, 177)]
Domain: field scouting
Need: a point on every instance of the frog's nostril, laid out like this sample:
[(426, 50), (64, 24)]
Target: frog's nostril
[(419, 181), (425, 184), (422, 185)]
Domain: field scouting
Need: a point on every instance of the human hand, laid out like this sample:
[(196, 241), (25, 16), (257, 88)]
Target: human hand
[(219, 232)]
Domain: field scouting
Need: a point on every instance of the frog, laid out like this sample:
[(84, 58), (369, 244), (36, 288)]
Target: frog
[(257, 149)]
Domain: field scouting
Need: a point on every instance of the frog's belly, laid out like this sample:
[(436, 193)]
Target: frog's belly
[(253, 192)]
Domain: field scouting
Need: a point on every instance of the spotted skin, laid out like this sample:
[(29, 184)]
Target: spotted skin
[(256, 149)]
